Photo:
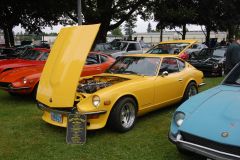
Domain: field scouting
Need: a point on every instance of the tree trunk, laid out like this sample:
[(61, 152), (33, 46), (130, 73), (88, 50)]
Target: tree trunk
[(184, 32), (6, 37), (230, 35), (11, 36), (208, 30), (161, 35)]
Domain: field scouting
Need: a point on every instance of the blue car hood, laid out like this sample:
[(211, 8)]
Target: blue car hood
[(218, 113)]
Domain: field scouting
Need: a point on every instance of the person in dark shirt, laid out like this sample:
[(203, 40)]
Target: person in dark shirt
[(232, 55)]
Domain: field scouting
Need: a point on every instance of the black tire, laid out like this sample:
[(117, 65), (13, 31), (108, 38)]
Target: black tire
[(34, 92), (13, 94), (190, 90), (123, 115), (221, 72)]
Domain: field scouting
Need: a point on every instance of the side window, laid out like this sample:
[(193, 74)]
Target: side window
[(92, 59), (103, 58), (170, 65), (44, 57), (138, 46), (132, 47), (181, 65)]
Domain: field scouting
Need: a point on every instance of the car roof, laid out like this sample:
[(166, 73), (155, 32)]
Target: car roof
[(41, 49), (129, 41), (152, 55), (180, 41)]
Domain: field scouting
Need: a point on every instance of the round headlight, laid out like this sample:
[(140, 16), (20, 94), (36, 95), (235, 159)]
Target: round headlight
[(215, 65), (96, 101), (24, 80), (179, 118)]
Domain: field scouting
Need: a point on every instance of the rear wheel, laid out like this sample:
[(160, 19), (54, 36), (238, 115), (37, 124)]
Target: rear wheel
[(13, 94), (123, 115), (190, 91)]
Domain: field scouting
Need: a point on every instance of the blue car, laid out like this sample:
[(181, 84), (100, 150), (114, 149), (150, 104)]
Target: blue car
[(209, 123)]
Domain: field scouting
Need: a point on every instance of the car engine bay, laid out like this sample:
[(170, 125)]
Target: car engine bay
[(91, 85)]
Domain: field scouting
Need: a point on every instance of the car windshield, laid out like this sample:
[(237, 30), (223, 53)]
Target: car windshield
[(146, 66), (219, 52), (234, 77), (31, 54), (102, 47), (195, 46), (120, 46), (169, 48)]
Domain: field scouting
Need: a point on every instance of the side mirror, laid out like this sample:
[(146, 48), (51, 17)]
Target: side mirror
[(165, 73)]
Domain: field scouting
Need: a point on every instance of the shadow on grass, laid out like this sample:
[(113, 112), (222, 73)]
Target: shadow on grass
[(18, 98)]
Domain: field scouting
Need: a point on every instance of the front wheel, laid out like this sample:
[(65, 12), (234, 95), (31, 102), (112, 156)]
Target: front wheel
[(190, 91), (221, 72), (123, 115)]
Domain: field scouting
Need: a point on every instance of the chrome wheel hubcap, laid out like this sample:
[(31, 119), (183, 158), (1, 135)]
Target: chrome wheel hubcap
[(192, 91), (127, 115)]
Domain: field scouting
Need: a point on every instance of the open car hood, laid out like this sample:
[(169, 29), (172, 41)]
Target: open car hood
[(60, 76), (191, 42)]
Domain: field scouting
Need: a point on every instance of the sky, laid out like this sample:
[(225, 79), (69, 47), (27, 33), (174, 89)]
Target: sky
[(141, 27)]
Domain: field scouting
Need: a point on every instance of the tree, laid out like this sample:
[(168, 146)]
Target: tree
[(106, 12), (32, 15), (174, 13), (149, 29), (117, 32), (129, 25)]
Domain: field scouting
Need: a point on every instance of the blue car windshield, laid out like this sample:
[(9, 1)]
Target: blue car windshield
[(234, 77), (146, 66)]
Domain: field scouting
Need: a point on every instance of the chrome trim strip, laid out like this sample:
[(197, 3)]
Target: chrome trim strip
[(45, 108), (201, 84), (206, 148)]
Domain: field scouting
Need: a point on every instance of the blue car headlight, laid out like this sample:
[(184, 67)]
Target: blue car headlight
[(179, 118)]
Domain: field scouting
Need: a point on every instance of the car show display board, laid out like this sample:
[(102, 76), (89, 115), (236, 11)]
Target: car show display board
[(76, 129)]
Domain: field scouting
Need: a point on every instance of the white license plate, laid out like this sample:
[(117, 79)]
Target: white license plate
[(56, 117)]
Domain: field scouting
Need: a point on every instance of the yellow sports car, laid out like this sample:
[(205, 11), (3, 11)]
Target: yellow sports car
[(132, 86), (177, 47)]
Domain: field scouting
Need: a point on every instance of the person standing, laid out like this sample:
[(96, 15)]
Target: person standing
[(141, 41), (232, 55)]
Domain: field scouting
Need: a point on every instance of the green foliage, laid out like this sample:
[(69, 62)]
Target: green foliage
[(129, 26), (117, 32), (24, 136), (215, 15)]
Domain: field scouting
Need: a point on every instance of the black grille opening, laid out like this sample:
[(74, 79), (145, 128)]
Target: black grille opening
[(211, 144)]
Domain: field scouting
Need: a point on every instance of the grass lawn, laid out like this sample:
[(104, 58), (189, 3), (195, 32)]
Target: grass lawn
[(24, 136)]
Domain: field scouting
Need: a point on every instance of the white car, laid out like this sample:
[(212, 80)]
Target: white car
[(196, 48), (126, 47)]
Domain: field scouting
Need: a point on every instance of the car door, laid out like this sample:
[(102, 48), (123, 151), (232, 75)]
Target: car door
[(169, 83), (133, 48), (92, 65)]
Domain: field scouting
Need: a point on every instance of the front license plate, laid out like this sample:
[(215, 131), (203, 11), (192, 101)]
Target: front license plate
[(56, 117)]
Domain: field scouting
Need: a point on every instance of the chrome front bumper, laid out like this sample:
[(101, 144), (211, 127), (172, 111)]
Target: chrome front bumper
[(202, 150), (64, 112)]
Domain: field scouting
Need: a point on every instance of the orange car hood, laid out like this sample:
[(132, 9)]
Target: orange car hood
[(18, 73)]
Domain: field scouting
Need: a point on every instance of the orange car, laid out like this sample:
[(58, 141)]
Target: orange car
[(25, 80)]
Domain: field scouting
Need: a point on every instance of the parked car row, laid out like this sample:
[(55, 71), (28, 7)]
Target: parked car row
[(72, 80)]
